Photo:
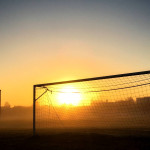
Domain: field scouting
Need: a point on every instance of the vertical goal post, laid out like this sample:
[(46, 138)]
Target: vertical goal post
[(110, 84), (0, 103)]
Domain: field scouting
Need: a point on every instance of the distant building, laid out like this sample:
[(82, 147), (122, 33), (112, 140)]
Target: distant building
[(143, 100)]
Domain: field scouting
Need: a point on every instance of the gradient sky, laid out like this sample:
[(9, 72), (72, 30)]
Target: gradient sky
[(50, 40)]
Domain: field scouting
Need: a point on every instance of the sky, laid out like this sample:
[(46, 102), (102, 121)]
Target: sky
[(52, 40)]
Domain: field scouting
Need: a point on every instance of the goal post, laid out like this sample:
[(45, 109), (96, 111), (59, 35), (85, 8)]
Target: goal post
[(34, 107), (0, 104), (115, 101)]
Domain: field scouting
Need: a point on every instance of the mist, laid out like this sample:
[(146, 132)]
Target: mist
[(16, 117)]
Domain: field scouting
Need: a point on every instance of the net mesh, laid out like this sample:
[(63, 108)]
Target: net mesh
[(122, 102)]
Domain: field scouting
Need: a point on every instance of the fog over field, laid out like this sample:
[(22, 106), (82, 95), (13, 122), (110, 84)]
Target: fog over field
[(16, 117), (122, 114)]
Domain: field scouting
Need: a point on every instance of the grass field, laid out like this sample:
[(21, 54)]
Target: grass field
[(118, 139)]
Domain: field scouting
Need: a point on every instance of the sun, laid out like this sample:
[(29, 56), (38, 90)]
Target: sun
[(69, 96)]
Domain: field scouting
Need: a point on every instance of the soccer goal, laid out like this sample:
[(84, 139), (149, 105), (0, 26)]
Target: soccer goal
[(115, 101)]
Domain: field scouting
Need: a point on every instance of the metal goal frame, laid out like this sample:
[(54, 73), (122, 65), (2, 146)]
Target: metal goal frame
[(74, 81)]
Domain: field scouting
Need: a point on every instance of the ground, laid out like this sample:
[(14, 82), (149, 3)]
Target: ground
[(118, 139)]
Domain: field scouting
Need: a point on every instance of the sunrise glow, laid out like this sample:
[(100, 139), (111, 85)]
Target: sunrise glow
[(69, 96)]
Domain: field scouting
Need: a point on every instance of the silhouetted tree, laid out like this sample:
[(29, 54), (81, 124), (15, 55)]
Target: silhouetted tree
[(7, 105)]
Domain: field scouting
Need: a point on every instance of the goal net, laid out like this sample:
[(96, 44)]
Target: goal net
[(117, 101)]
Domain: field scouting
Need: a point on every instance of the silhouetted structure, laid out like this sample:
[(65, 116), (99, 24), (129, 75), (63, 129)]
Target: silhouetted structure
[(143, 100), (0, 103)]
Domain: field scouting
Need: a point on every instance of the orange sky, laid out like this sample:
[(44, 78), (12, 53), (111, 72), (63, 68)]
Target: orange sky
[(51, 41)]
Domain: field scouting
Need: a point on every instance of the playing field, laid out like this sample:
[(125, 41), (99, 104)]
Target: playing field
[(121, 139)]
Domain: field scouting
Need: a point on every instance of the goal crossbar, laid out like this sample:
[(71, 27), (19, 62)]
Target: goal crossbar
[(95, 78)]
